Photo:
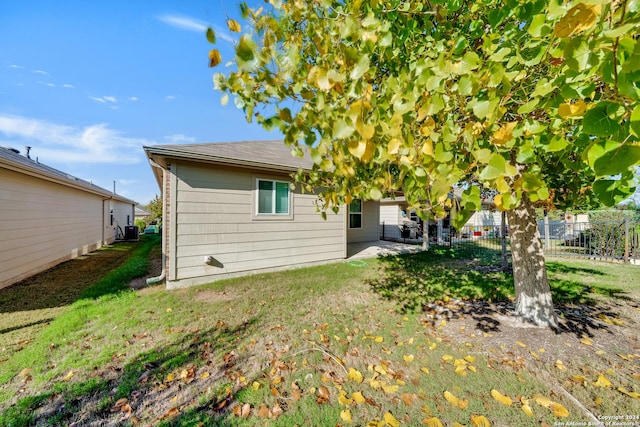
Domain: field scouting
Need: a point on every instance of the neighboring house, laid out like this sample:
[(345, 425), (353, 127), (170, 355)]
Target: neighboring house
[(48, 216), (141, 213), (396, 216), (229, 210)]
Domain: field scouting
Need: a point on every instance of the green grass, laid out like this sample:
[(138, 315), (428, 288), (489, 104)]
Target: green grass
[(190, 356)]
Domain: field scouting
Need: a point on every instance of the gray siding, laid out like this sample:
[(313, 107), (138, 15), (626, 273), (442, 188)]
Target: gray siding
[(215, 217), (370, 220), (43, 224)]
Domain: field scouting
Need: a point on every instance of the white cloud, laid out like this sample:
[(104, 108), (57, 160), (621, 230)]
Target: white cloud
[(224, 35), (104, 99), (169, 98), (54, 142), (44, 73), (183, 22), (110, 98), (133, 98), (15, 66), (180, 139), (68, 86)]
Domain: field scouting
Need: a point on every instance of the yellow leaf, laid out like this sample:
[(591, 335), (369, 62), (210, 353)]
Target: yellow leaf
[(346, 416), (559, 410), (343, 399), (521, 344), (566, 110), (629, 393), (527, 410), (578, 18), (69, 375), (390, 389), (504, 134), (447, 357), (425, 370), (470, 359), (542, 401), (451, 398), (204, 375), (586, 341), (408, 358), (433, 346), (463, 403), (407, 398), (602, 381), (355, 375), (579, 378), (358, 397), (170, 378), (471, 368), (560, 365), (390, 420), (378, 339), (233, 25), (255, 385), (432, 422), (214, 57), (480, 421), (505, 400), (394, 146), (461, 370)]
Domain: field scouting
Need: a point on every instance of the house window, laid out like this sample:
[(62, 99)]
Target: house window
[(273, 197), (355, 214)]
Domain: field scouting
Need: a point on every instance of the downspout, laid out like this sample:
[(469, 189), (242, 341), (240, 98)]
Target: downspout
[(104, 241), (163, 274)]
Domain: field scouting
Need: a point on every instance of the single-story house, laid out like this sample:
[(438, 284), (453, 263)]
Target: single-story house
[(231, 209), (396, 216), (48, 216)]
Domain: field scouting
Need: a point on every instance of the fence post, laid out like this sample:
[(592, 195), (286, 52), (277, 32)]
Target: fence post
[(547, 240), (626, 239), (503, 233), (382, 230)]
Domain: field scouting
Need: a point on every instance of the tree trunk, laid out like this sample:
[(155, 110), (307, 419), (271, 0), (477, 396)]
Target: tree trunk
[(533, 294)]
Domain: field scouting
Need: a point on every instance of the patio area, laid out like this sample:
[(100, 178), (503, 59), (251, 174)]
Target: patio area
[(377, 248)]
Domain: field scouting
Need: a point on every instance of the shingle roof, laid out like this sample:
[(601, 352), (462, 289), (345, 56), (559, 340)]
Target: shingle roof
[(272, 155), (14, 160)]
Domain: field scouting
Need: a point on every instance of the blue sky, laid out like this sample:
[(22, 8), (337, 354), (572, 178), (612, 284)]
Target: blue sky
[(86, 84)]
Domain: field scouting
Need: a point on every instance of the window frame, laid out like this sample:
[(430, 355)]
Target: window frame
[(356, 213), (272, 215)]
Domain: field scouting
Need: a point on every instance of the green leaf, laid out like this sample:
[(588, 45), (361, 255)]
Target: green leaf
[(342, 130), (611, 192), (361, 67), (635, 121), (531, 182), (557, 143), (246, 52), (375, 194), (597, 121), (529, 106), (211, 35), (495, 168), (617, 160)]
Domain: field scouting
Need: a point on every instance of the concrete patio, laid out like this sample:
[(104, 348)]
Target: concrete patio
[(377, 248)]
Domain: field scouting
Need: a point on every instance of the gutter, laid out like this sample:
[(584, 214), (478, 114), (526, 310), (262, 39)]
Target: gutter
[(163, 274)]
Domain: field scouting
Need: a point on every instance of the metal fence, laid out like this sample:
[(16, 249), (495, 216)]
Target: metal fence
[(596, 240)]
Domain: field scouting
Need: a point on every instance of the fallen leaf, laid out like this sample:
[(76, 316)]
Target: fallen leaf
[(527, 410), (447, 357), (171, 413), (451, 398), (408, 399), (559, 410), (602, 381), (24, 372), (355, 375), (629, 393), (521, 344), (505, 400), (425, 370), (346, 416), (586, 341), (69, 375), (579, 379), (323, 395), (480, 421), (463, 403), (205, 375), (263, 411), (390, 420), (432, 422), (470, 359), (276, 411), (408, 358), (560, 365), (542, 401), (358, 397)]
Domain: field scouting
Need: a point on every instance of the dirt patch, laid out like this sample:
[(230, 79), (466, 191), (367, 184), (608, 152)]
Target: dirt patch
[(213, 296), (28, 306)]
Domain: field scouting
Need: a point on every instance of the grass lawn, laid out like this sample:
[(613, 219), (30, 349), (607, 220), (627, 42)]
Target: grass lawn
[(410, 340)]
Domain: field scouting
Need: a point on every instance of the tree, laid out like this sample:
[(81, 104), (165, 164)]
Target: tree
[(537, 100), (155, 207)]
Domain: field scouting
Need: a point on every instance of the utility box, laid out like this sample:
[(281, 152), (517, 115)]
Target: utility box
[(131, 232)]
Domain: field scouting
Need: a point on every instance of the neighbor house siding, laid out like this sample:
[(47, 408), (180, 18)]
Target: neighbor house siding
[(370, 221), (43, 223), (215, 217)]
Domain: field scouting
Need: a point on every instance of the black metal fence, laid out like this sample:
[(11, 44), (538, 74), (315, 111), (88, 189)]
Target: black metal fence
[(596, 240)]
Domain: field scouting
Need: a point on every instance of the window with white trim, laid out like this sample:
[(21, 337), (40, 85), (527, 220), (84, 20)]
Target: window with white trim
[(355, 213), (273, 197)]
